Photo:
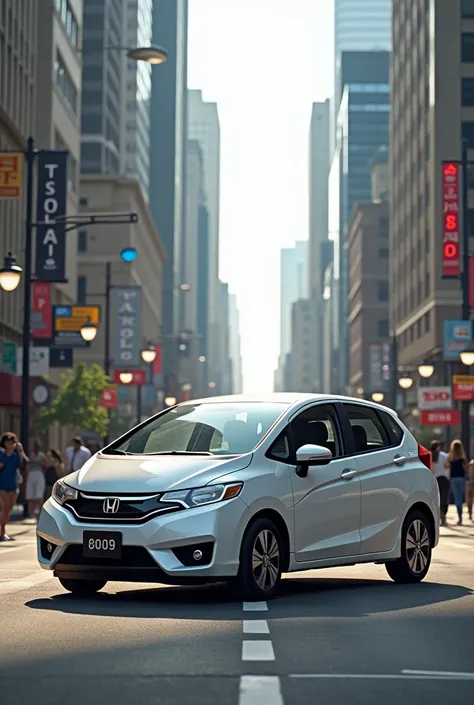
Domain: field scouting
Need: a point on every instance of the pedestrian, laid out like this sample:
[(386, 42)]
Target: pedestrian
[(36, 480), (457, 463), (12, 456), (77, 454), (55, 470), (470, 488), (438, 466)]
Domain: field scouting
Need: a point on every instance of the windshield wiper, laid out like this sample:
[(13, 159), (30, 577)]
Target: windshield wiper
[(114, 451), (180, 452)]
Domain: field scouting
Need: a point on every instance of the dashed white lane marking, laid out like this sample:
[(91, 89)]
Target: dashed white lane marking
[(256, 626), (255, 607), (17, 585), (383, 676), (255, 690), (257, 651)]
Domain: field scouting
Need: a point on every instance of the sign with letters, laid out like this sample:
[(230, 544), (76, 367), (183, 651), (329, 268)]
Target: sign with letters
[(450, 221), (127, 315), (11, 170), (51, 235), (434, 398)]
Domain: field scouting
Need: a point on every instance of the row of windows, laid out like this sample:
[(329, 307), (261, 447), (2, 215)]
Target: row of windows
[(416, 331), (69, 21), (65, 82)]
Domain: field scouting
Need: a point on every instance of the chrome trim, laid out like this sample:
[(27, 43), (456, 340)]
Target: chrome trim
[(116, 519), (122, 498)]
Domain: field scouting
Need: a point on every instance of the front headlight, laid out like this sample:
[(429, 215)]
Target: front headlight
[(62, 492), (203, 495)]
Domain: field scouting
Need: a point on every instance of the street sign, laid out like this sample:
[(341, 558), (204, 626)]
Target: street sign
[(463, 387), (441, 418), (51, 204), (108, 398), (61, 357), (68, 321), (39, 362), (138, 377), (127, 304), (457, 335), (9, 357), (41, 311), (450, 223), (434, 398), (11, 171)]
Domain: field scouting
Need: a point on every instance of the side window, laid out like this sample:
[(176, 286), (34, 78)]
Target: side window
[(395, 431), (280, 450), (369, 433), (317, 426)]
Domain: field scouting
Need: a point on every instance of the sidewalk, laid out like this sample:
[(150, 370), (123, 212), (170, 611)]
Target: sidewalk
[(17, 513)]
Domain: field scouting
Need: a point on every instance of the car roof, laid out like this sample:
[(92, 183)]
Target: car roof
[(292, 399)]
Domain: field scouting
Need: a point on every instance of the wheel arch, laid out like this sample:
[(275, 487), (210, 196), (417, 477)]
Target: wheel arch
[(282, 527), (427, 513)]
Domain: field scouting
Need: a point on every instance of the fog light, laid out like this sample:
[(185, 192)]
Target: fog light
[(197, 555)]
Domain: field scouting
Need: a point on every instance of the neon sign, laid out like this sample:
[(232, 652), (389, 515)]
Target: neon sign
[(451, 235)]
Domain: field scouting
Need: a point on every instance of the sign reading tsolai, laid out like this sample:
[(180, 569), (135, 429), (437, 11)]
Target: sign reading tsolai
[(51, 235)]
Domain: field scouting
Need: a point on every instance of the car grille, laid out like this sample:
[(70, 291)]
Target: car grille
[(132, 557), (95, 508)]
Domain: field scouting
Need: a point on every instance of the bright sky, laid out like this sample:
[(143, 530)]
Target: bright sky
[(264, 62)]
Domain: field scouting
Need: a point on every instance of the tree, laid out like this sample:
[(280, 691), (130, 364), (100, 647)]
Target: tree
[(77, 402)]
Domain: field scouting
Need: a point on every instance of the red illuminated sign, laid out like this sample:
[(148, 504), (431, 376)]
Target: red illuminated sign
[(441, 418), (450, 203)]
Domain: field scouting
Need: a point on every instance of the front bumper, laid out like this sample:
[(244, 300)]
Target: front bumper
[(147, 549)]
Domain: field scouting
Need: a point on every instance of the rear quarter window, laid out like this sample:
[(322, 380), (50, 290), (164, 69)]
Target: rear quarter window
[(394, 430)]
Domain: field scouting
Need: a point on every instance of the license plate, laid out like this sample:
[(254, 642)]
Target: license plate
[(102, 544)]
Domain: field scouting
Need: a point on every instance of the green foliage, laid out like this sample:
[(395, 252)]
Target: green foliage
[(77, 401)]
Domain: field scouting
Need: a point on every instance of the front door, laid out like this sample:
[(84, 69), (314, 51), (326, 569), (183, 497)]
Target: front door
[(327, 501)]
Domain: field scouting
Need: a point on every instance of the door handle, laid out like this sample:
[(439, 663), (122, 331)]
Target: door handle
[(400, 460), (348, 474)]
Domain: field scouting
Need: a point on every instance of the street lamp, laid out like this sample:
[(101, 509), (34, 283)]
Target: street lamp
[(10, 273), (425, 369), (151, 55), (467, 356), (126, 377), (88, 331), (149, 354), (378, 397), (212, 385), (405, 382), (202, 358), (170, 401)]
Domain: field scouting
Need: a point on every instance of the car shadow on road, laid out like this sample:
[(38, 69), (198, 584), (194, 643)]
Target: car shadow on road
[(342, 597)]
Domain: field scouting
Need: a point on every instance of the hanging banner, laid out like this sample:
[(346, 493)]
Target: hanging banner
[(50, 235), (376, 382), (41, 311), (127, 314), (450, 222), (108, 398), (471, 281), (157, 362), (11, 170)]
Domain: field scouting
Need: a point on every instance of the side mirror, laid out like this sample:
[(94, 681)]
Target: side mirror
[(309, 455)]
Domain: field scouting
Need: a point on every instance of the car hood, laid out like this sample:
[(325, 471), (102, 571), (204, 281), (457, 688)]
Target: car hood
[(152, 473)]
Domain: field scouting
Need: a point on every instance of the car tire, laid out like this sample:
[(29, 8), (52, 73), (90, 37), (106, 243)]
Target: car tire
[(417, 543), (82, 587), (259, 580)]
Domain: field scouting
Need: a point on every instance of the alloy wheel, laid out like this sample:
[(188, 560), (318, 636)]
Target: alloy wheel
[(417, 546), (266, 560)]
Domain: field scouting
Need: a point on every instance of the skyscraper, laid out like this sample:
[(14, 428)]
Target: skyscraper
[(203, 126), (168, 150), (103, 75), (135, 151)]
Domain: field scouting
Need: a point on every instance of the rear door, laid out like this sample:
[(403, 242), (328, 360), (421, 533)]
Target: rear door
[(385, 455)]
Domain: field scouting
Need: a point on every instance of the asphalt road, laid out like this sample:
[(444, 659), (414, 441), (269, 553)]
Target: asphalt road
[(335, 636)]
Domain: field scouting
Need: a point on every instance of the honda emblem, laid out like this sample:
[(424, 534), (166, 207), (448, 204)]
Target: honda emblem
[(111, 505)]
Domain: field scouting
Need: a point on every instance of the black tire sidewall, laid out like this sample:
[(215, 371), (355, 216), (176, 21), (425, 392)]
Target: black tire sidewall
[(411, 517), (246, 577)]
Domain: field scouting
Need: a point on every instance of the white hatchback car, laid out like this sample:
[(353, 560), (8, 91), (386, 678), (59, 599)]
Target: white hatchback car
[(242, 490)]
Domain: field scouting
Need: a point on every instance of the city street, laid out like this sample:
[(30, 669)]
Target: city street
[(347, 635)]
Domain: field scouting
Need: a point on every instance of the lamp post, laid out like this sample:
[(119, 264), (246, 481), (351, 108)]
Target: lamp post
[(10, 273), (378, 397), (426, 370), (148, 356)]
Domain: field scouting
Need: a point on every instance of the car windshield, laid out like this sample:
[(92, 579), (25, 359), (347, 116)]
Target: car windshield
[(209, 429)]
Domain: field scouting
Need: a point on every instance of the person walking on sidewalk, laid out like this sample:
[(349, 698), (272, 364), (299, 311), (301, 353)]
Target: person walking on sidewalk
[(56, 469), (77, 454), (35, 480), (457, 463), (12, 456), (438, 466)]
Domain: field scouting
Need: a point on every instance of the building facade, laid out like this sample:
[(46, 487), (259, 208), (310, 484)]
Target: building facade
[(168, 153), (362, 129), (303, 363), (235, 346), (432, 110), (136, 96)]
